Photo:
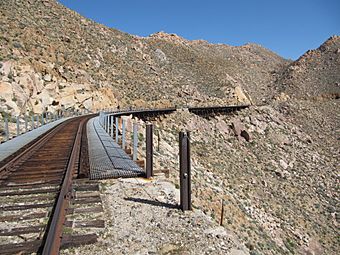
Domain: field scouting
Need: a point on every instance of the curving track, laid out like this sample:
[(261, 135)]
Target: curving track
[(36, 190)]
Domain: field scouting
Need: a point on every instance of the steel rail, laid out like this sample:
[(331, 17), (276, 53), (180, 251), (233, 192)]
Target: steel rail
[(53, 236), (32, 147)]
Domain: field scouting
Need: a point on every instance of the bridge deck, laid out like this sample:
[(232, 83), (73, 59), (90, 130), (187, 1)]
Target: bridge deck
[(107, 159)]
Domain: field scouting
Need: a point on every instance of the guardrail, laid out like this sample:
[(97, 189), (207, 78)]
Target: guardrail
[(13, 126)]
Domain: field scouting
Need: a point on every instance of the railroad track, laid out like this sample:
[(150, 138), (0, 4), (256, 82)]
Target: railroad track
[(40, 195)]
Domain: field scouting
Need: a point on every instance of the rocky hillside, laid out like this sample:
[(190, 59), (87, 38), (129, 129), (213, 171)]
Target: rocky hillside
[(277, 180), (51, 58), (315, 74)]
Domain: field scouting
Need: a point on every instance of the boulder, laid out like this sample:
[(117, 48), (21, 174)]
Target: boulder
[(241, 96), (47, 77), (68, 101), (6, 91)]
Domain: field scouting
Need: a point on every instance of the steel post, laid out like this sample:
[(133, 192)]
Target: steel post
[(123, 134), (117, 130), (111, 125), (18, 126), (6, 129), (38, 121), (185, 173), (42, 119), (107, 124), (149, 150), (135, 141)]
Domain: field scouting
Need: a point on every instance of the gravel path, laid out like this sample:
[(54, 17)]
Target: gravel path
[(142, 218)]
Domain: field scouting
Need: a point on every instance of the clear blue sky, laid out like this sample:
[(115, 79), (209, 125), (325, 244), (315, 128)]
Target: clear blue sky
[(288, 27)]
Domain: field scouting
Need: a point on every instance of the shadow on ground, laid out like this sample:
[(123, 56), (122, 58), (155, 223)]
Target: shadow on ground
[(151, 202)]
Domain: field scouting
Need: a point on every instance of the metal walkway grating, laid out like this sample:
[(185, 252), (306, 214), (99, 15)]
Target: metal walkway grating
[(107, 159)]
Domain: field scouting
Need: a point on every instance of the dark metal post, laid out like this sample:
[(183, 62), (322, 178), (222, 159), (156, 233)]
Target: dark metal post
[(159, 140), (135, 141), (117, 129), (185, 173), (149, 150), (123, 134), (107, 123), (111, 125)]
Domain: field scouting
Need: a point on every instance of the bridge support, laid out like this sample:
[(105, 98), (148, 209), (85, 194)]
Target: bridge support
[(135, 141), (117, 129), (123, 134), (149, 150), (185, 170), (111, 125)]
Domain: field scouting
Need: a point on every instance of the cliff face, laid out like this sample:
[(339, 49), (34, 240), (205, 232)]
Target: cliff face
[(52, 58)]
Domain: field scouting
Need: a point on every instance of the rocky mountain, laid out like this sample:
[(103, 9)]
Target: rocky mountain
[(315, 74), (51, 58)]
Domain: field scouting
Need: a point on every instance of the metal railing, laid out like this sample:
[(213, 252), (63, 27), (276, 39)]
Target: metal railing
[(14, 126)]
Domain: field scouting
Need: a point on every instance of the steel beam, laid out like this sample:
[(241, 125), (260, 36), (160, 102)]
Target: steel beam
[(149, 150), (135, 141), (185, 170)]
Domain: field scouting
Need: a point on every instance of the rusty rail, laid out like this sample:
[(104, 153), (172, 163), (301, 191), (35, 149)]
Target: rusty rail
[(45, 165), (54, 234)]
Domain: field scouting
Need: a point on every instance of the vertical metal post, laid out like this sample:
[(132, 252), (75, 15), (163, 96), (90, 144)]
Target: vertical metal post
[(123, 134), (117, 129), (185, 173), (108, 123), (135, 141), (38, 121), (26, 124), (18, 126), (158, 140), (32, 122), (149, 150), (111, 125), (42, 119), (6, 128)]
